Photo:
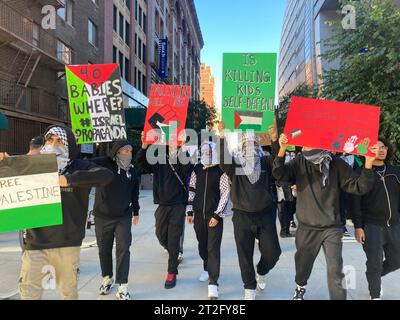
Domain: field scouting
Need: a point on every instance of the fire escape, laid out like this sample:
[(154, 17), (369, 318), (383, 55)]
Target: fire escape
[(30, 46)]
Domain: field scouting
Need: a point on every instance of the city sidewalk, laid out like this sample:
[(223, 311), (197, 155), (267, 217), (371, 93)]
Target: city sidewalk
[(149, 265)]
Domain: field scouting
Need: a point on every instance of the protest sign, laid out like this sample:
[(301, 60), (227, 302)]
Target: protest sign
[(248, 91), (166, 112), (29, 193), (330, 125), (95, 102)]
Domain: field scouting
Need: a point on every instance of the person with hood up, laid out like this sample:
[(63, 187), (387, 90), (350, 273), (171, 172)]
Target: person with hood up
[(170, 192), (58, 247), (114, 207), (320, 177), (208, 197), (254, 210)]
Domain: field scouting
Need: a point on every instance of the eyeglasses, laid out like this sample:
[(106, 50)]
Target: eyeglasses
[(383, 148)]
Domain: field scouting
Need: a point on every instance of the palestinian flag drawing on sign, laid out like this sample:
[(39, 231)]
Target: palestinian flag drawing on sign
[(248, 120), (29, 193), (96, 103)]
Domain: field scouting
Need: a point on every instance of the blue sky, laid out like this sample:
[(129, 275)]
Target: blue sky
[(238, 26)]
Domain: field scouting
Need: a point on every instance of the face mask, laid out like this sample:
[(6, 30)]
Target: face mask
[(124, 161), (61, 153)]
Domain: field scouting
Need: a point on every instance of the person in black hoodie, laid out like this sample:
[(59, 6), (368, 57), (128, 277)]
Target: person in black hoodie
[(208, 197), (254, 210), (59, 246), (113, 208), (376, 218), (320, 177), (170, 192)]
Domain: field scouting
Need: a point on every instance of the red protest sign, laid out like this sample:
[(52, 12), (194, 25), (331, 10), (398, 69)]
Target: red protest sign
[(166, 113), (330, 125)]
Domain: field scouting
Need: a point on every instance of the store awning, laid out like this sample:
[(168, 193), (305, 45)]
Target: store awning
[(135, 117), (3, 121)]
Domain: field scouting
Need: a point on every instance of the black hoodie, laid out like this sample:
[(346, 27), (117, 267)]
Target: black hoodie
[(121, 197), (317, 207), (380, 206), (81, 176), (167, 189)]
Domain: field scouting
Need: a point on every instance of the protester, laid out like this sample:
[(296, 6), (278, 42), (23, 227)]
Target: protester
[(113, 209), (208, 197), (254, 212), (376, 217), (319, 178), (170, 193), (59, 246), (35, 145)]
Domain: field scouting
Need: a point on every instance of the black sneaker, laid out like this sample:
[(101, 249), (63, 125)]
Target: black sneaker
[(170, 282), (286, 235), (299, 293)]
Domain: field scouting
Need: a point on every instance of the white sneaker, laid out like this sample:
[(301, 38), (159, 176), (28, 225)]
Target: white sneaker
[(212, 292), (204, 276), (106, 286), (123, 293), (261, 283), (249, 294), (180, 257)]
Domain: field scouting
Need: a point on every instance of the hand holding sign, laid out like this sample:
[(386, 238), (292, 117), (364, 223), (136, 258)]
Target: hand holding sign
[(283, 143), (369, 160)]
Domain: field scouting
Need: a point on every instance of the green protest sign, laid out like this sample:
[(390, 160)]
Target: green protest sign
[(96, 103), (248, 90), (29, 193)]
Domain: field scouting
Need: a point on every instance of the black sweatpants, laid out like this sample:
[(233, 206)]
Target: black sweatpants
[(106, 231), (248, 227), (285, 215), (169, 229), (209, 240), (308, 244), (382, 247)]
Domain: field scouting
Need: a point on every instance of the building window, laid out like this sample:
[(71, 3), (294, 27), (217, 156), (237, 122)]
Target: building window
[(134, 77), (35, 35), (140, 49), (127, 33), (66, 12), (121, 25), (128, 4), (139, 81), (144, 54), (157, 23), (115, 18), (144, 84), (144, 23), (63, 52), (127, 69), (140, 17), (156, 55), (136, 10), (121, 63), (114, 54), (92, 33), (136, 43)]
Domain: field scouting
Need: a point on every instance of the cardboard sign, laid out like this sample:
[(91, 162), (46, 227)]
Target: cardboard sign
[(166, 113), (95, 102), (29, 193), (330, 125), (248, 91)]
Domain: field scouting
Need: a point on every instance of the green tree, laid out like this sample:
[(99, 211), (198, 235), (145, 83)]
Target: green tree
[(304, 91), (200, 116), (369, 71)]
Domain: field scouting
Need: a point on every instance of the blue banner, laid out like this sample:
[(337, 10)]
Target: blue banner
[(163, 52)]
